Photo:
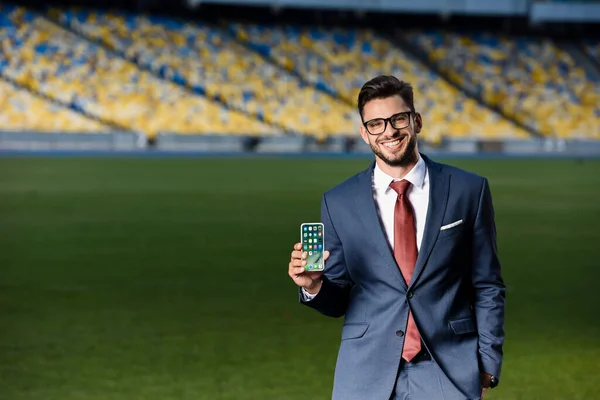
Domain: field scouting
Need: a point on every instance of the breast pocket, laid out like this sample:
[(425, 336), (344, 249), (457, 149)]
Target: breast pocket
[(452, 229)]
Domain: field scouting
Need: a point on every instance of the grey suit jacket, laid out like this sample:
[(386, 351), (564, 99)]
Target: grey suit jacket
[(456, 294)]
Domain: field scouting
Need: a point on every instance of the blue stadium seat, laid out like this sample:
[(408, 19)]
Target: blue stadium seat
[(59, 64), (531, 80)]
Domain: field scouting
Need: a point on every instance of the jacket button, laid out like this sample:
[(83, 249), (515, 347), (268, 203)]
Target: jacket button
[(399, 333), (409, 295)]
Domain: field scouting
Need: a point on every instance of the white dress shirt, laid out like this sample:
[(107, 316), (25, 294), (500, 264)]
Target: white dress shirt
[(418, 195), (385, 202)]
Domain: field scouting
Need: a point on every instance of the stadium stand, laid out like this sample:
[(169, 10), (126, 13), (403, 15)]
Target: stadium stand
[(592, 48), (210, 60), (48, 59), (531, 80), (154, 74), (342, 59), (20, 110)]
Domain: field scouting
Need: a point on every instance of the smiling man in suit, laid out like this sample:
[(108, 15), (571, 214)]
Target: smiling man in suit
[(412, 265)]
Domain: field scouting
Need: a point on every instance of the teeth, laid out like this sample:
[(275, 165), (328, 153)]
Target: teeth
[(392, 144)]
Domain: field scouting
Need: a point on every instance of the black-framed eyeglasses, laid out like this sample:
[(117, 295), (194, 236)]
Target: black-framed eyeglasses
[(377, 126)]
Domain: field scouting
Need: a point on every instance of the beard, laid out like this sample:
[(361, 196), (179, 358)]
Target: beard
[(407, 156)]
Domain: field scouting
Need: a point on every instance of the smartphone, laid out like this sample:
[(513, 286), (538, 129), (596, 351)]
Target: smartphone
[(313, 243)]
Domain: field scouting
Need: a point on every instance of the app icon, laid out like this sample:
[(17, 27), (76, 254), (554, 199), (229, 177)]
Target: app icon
[(320, 227), (304, 234), (315, 246), (306, 247), (310, 267), (320, 246), (309, 240), (310, 253), (319, 233), (310, 228)]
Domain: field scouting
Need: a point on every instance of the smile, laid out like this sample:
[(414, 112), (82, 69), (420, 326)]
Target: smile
[(394, 144)]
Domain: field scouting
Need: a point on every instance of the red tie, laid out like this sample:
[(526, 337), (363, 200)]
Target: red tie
[(405, 253)]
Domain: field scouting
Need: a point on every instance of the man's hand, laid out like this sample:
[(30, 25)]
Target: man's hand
[(309, 280), (486, 381)]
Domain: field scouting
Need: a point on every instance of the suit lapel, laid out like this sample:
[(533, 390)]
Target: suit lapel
[(439, 185), (367, 211)]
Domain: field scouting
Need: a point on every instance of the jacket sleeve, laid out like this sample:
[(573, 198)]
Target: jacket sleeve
[(332, 299), (489, 288)]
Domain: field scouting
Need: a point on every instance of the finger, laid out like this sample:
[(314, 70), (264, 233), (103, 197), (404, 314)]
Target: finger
[(296, 255), (295, 270), (298, 246), (325, 254), (298, 263), (298, 270)]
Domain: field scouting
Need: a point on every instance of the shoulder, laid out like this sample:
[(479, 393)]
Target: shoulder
[(467, 185), (458, 176)]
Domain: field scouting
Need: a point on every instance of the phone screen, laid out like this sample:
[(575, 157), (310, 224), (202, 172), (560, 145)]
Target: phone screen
[(313, 245)]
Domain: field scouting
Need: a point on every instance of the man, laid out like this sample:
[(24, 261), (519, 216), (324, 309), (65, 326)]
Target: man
[(411, 263)]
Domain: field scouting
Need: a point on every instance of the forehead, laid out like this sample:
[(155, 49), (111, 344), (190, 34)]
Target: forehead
[(384, 108)]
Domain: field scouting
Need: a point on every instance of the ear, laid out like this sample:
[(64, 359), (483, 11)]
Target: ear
[(364, 134), (418, 123)]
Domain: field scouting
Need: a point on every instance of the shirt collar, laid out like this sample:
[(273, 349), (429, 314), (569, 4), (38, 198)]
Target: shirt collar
[(416, 176)]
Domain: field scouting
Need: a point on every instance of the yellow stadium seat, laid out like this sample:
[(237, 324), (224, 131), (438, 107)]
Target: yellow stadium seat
[(520, 84), (20, 110), (119, 91), (148, 106)]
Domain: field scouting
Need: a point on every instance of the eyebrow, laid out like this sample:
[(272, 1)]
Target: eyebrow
[(399, 112)]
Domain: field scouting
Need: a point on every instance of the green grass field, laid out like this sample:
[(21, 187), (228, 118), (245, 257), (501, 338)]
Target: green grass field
[(167, 278)]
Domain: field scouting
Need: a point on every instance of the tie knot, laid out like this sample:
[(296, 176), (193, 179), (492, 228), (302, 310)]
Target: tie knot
[(400, 187)]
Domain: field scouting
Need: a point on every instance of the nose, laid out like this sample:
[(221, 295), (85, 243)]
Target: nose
[(390, 130)]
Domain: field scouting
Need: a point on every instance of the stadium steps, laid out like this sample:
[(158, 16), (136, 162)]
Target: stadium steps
[(226, 28), (579, 58), (420, 54), (586, 60), (183, 83), (103, 121)]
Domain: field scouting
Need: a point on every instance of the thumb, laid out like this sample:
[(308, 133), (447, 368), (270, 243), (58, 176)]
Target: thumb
[(325, 255)]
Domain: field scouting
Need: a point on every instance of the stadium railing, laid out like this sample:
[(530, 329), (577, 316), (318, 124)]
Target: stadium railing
[(218, 144)]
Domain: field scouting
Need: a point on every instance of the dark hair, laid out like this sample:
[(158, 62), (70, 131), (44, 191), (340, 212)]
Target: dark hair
[(384, 86)]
